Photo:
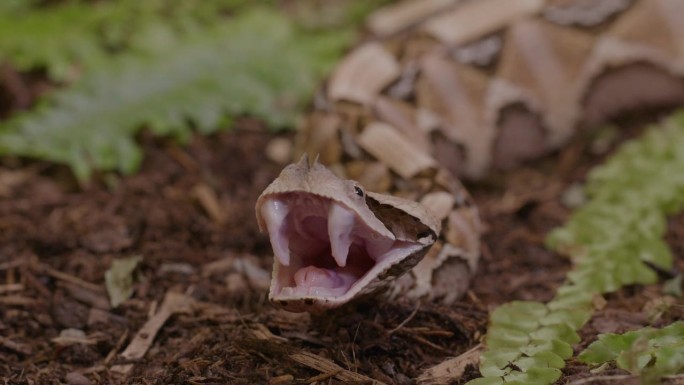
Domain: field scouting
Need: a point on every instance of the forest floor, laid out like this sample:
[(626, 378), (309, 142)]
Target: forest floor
[(198, 313)]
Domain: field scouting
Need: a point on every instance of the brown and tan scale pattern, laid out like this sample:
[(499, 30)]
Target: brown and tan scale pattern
[(448, 89)]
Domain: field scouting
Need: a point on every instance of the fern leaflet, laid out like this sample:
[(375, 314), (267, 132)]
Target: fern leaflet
[(648, 352)]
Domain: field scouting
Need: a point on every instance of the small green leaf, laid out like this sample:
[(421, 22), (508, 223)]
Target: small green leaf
[(608, 347), (578, 298), (560, 348), (673, 286), (119, 279), (503, 337), (575, 318), (670, 359), (540, 360), (493, 361), (561, 332), (651, 353), (533, 376)]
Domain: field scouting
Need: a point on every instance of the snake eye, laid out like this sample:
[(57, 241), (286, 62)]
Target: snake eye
[(358, 191)]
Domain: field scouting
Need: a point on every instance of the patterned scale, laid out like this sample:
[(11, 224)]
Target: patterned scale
[(447, 89)]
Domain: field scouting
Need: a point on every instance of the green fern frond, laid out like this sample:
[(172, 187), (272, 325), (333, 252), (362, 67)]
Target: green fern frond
[(612, 239), (256, 64), (648, 352)]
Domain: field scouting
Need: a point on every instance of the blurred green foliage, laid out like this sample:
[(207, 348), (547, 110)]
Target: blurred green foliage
[(612, 240), (78, 36), (173, 66)]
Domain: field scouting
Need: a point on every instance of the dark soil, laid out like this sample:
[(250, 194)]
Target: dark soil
[(189, 214)]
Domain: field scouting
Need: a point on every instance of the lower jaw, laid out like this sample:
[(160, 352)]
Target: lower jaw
[(315, 282), (320, 292)]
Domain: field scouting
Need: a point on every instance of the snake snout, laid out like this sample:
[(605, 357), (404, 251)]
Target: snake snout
[(321, 247)]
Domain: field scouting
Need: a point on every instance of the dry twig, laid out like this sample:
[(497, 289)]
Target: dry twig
[(330, 368)]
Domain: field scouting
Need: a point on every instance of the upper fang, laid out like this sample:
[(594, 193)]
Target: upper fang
[(274, 213), (340, 226)]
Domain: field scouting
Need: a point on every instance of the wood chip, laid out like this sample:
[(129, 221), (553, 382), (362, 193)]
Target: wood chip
[(219, 266), (363, 74), (71, 279), (451, 369), (136, 349), (12, 264), (11, 288), (185, 160), (261, 332), (15, 346), (281, 380), (236, 284), (475, 19), (206, 196), (258, 278), (396, 17), (326, 366), (9, 180), (18, 300), (75, 378), (279, 150), (386, 144), (245, 266), (176, 268), (96, 316), (68, 337), (89, 297)]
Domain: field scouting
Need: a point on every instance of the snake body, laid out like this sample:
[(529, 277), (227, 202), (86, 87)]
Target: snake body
[(449, 89)]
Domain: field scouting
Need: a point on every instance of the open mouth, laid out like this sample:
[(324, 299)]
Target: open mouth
[(323, 249)]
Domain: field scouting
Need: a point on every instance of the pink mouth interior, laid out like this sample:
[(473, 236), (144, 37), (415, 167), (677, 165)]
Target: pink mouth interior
[(322, 246)]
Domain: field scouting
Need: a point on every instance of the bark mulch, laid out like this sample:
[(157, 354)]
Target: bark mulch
[(198, 313)]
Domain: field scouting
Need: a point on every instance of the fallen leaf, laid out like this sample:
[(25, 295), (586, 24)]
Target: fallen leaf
[(136, 349), (451, 369), (68, 337), (119, 279)]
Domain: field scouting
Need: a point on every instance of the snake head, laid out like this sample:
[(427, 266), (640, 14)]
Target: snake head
[(333, 241)]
